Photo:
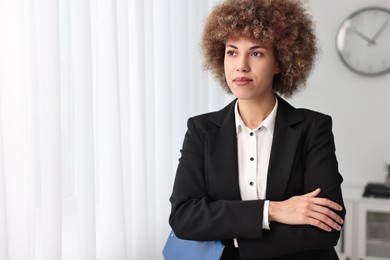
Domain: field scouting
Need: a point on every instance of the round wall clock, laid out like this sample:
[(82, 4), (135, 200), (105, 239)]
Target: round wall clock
[(363, 41)]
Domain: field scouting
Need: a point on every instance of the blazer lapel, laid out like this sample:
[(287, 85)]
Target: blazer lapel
[(283, 150), (222, 144)]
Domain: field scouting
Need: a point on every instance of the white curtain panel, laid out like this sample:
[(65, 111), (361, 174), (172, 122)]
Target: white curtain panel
[(94, 98)]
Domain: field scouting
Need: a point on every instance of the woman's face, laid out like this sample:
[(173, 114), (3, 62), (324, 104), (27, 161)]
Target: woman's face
[(250, 67)]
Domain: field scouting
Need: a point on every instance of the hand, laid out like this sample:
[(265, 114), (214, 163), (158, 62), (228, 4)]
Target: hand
[(307, 209)]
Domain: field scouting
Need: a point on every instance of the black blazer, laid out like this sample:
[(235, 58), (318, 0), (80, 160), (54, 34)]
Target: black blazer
[(206, 202)]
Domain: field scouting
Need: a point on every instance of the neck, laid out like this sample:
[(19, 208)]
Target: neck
[(253, 112)]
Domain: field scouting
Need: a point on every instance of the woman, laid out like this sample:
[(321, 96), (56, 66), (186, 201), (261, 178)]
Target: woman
[(260, 175)]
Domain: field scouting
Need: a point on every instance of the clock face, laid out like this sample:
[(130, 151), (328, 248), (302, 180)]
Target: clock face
[(363, 41)]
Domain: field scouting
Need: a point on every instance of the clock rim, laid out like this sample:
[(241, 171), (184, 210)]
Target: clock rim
[(349, 17)]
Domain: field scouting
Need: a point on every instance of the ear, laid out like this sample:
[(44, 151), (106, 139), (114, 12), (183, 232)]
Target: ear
[(277, 69)]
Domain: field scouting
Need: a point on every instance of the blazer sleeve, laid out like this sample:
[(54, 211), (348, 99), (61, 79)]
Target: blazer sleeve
[(320, 170), (194, 215)]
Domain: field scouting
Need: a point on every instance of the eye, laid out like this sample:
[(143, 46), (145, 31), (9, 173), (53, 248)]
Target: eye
[(231, 53), (257, 54)]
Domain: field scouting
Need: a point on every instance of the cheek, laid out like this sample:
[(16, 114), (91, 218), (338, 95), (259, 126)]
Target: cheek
[(227, 70), (269, 69), (228, 75)]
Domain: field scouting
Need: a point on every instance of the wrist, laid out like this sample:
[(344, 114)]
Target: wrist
[(272, 211)]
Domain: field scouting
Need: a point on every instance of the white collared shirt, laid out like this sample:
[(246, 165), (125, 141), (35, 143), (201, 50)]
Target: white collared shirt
[(254, 150)]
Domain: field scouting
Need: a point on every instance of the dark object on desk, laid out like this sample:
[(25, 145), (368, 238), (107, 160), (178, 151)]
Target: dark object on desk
[(376, 190)]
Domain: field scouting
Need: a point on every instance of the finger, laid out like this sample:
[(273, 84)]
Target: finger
[(314, 193), (319, 224), (328, 213), (327, 203), (325, 220)]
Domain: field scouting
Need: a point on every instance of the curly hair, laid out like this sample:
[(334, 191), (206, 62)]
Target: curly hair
[(282, 23)]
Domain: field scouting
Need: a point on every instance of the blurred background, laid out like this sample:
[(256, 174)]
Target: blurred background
[(94, 98)]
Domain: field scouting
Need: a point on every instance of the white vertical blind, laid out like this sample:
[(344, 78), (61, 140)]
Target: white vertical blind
[(16, 175), (48, 60), (111, 233), (3, 217), (138, 227), (180, 83), (123, 18), (82, 131)]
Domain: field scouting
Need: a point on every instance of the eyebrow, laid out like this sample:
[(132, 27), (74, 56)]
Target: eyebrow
[(251, 48)]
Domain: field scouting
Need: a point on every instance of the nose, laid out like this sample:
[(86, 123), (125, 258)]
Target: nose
[(242, 64)]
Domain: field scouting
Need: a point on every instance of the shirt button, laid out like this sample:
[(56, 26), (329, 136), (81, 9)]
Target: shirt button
[(252, 158), (251, 183), (251, 134)]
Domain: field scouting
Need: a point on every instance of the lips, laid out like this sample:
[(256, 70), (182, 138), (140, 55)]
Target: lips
[(242, 81)]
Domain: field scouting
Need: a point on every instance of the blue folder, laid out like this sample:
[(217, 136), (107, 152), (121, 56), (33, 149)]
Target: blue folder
[(179, 249)]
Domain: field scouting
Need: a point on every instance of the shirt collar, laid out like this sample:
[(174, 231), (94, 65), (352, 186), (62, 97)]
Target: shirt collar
[(268, 122)]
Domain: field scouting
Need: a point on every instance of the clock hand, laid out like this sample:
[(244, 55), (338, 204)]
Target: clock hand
[(383, 26), (370, 42)]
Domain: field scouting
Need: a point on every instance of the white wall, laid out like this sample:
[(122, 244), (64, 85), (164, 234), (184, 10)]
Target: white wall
[(359, 106)]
